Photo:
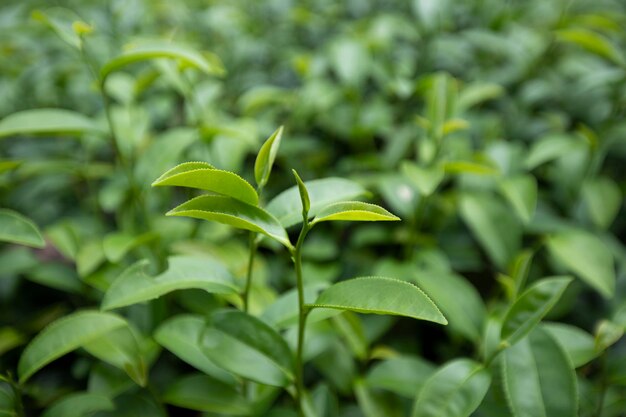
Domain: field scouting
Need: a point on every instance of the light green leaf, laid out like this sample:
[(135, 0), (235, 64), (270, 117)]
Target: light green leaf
[(469, 167), (305, 200), (426, 180), (284, 312), (606, 334), (79, 404), (206, 62), (494, 226), (520, 269), (457, 299), (455, 390), (353, 211), (603, 199), (180, 335), (205, 177), (380, 295), (44, 121), (235, 213), (16, 228), (10, 338), (403, 375), (135, 285), (592, 42), (349, 326), (521, 193), (7, 165), (117, 245), (477, 93), (203, 393), (586, 256), (89, 257), (531, 307), (551, 147), (287, 206), (63, 336), (539, 379), (374, 404), (577, 343), (266, 156)]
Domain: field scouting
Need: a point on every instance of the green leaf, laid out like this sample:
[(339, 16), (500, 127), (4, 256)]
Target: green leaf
[(380, 295), (349, 326), (207, 63), (603, 199), (235, 213), (305, 200), (16, 228), (458, 300), (284, 312), (353, 211), (426, 180), (9, 339), (78, 405), (266, 156), (203, 393), (521, 193), (521, 268), (7, 165), (135, 285), (469, 167), (538, 378), (205, 177), (45, 121), (586, 256), (577, 343), (372, 403), (116, 245), (287, 206), (551, 147), (607, 333), (477, 93), (531, 307), (180, 335), (592, 42), (63, 336), (494, 226), (403, 375), (455, 390)]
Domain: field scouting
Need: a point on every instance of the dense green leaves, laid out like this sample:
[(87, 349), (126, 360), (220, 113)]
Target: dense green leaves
[(521, 192), (205, 177), (42, 121), (353, 211), (404, 375), (454, 390), (64, 336), (203, 393), (16, 228), (538, 378), (531, 307), (380, 295), (234, 213), (425, 179), (135, 285), (79, 405), (287, 207), (266, 156), (586, 256), (603, 200)]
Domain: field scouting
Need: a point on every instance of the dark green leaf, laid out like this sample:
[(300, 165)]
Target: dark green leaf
[(203, 393)]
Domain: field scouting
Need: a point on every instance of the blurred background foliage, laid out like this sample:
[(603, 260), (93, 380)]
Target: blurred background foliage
[(491, 127)]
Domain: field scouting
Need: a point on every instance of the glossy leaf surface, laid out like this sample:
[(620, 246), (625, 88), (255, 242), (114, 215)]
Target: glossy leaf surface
[(266, 156), (353, 211)]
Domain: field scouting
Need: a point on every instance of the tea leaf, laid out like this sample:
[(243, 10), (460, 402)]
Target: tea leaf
[(469, 167), (79, 404), (287, 206), (403, 375), (135, 285), (205, 177), (603, 199), (531, 307), (265, 158), (374, 404), (116, 245), (586, 256), (380, 295), (207, 63), (353, 211), (203, 393), (426, 180), (15, 228), (180, 335), (234, 213), (549, 148), (538, 378), (63, 336), (305, 200), (454, 390), (577, 343), (521, 192), (592, 42), (284, 312), (44, 121)]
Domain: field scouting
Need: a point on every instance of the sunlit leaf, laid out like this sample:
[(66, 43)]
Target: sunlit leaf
[(353, 211)]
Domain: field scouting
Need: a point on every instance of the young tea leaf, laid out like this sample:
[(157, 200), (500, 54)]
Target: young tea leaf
[(205, 177), (135, 285), (15, 228), (455, 390), (235, 213), (380, 295), (265, 158), (531, 307), (353, 211), (305, 200)]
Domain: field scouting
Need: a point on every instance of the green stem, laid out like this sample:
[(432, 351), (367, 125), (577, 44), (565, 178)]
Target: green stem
[(302, 315), (246, 292)]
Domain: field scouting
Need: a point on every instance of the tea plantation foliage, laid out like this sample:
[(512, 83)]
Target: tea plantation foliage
[(312, 208)]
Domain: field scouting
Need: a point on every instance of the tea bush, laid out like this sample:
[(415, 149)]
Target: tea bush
[(179, 183)]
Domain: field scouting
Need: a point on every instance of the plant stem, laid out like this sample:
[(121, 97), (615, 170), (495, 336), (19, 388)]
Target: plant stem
[(302, 315), (246, 292)]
